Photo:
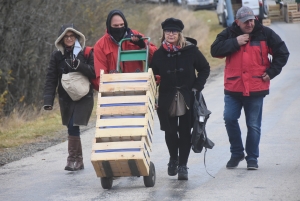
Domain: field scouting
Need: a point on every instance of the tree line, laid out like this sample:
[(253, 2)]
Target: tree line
[(28, 29)]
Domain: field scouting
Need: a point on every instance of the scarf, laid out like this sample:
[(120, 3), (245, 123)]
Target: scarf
[(170, 47)]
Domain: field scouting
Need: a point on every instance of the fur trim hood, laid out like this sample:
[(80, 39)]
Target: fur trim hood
[(63, 30)]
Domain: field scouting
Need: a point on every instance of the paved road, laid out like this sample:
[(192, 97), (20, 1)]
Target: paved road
[(41, 176)]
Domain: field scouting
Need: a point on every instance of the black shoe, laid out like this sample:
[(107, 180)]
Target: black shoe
[(234, 162), (182, 172), (252, 165), (172, 167)]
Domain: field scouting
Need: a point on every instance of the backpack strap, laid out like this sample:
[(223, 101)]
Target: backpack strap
[(87, 51)]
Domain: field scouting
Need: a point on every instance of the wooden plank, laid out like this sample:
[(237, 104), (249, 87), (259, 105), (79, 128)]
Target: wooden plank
[(123, 77), (295, 14), (110, 156), (118, 145), (274, 13), (296, 20), (123, 168), (120, 132), (122, 99), (266, 22), (124, 87), (97, 168), (121, 110), (121, 122)]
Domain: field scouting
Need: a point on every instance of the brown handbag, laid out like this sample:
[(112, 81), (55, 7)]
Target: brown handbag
[(177, 107)]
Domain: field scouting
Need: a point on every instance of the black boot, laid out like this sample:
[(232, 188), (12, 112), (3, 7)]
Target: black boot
[(182, 172), (172, 167)]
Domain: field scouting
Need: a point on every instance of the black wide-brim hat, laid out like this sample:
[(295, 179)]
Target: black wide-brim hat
[(172, 24)]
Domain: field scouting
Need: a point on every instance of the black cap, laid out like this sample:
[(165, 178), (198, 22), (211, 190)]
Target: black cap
[(172, 24)]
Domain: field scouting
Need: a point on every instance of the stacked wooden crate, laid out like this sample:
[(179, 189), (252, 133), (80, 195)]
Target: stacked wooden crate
[(236, 4), (291, 14), (275, 13), (124, 126), (266, 22)]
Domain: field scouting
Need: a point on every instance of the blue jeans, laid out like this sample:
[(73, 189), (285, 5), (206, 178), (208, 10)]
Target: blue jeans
[(253, 112), (73, 130)]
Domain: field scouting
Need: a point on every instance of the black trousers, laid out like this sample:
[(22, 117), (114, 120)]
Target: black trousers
[(178, 140)]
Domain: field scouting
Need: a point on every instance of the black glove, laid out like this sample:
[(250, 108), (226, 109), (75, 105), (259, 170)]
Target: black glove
[(140, 42)]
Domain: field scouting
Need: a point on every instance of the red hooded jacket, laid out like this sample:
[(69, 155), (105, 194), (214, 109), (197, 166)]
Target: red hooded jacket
[(106, 55)]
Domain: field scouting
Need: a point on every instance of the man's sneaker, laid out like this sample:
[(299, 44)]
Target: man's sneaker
[(252, 165), (234, 162), (172, 167), (182, 172)]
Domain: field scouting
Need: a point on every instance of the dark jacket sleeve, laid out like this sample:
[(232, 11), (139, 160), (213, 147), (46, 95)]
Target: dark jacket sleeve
[(86, 66), (224, 45), (279, 52), (153, 66), (203, 69), (51, 81)]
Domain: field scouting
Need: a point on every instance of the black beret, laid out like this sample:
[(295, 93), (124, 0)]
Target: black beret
[(172, 24)]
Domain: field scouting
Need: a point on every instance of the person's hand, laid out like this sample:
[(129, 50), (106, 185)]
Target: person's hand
[(243, 39), (47, 107), (265, 77), (136, 39)]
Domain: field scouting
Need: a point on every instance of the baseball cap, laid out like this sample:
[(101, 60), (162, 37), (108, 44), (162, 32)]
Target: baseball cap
[(245, 13)]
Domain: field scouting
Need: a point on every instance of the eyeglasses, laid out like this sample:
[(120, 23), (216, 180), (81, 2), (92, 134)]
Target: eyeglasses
[(72, 37), (171, 31)]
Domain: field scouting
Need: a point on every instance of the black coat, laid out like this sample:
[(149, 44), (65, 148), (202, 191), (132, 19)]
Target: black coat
[(81, 109), (177, 69)]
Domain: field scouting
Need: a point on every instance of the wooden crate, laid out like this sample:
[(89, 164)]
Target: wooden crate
[(121, 159), (124, 126), (266, 22), (294, 17), (287, 10), (275, 13)]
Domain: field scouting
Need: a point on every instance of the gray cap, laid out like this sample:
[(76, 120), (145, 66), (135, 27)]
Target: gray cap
[(245, 13)]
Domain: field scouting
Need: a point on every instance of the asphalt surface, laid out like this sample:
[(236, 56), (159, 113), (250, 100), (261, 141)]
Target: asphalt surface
[(41, 176)]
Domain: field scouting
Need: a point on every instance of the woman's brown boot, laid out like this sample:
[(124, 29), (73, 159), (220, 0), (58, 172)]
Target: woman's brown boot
[(72, 145), (79, 159)]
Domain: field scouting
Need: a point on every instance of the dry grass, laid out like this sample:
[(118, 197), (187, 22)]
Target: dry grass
[(27, 127), (193, 26)]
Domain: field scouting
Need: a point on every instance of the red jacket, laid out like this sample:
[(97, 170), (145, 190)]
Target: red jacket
[(244, 68), (246, 64), (106, 55)]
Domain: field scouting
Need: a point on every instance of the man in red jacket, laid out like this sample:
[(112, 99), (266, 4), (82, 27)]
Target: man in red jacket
[(106, 48), (248, 71)]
